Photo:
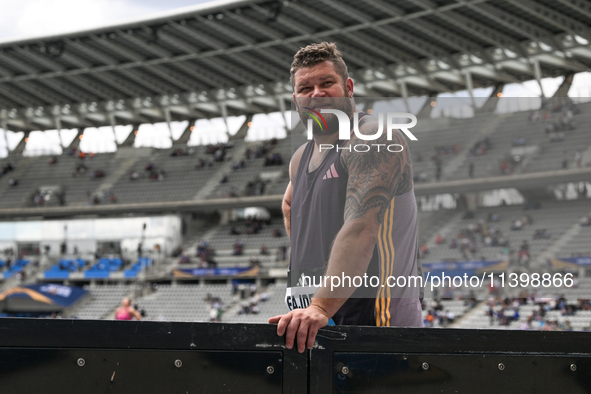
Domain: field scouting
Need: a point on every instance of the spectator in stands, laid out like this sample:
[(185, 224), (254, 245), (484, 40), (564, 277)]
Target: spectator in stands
[(273, 159), (52, 160), (505, 167), (519, 142), (264, 251), (542, 234), (450, 317), (523, 254), (233, 192), (12, 182), (211, 263), (557, 136), (282, 255), (493, 217), (38, 199), (471, 169), (238, 247), (423, 251), (7, 168), (517, 225), (238, 165), (134, 176), (98, 174), (149, 167), (439, 240), (565, 160), (126, 311), (479, 148), (203, 248), (438, 168), (276, 233), (586, 220), (176, 252), (235, 231), (80, 169), (578, 158)]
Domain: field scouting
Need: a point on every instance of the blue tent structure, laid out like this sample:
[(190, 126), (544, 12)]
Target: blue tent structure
[(40, 298)]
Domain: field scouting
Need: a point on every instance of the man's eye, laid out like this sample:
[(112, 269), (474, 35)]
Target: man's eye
[(328, 82)]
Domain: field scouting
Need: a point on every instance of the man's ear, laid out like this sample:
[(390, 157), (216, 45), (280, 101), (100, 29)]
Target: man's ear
[(295, 102), (349, 84)]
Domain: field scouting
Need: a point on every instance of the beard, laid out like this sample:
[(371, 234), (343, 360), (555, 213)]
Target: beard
[(344, 104)]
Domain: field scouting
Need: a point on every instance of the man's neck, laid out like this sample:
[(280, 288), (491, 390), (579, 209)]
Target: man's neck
[(325, 139)]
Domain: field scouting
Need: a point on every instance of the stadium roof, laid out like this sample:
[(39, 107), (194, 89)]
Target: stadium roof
[(232, 57)]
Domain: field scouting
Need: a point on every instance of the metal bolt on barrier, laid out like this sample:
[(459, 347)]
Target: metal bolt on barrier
[(178, 363), (573, 367), (270, 369), (345, 370), (501, 366), (81, 362), (425, 366)]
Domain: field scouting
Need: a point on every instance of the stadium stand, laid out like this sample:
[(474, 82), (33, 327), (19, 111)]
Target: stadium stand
[(102, 301), (551, 309), (496, 223), (513, 143), (185, 302)]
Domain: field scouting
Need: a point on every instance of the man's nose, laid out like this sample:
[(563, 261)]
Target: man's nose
[(318, 92)]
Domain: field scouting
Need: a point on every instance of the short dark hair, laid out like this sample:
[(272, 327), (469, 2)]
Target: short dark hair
[(314, 54)]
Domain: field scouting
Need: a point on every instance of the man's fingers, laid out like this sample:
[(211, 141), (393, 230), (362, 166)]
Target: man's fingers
[(312, 335), (283, 324), (291, 332), (302, 335), (275, 319)]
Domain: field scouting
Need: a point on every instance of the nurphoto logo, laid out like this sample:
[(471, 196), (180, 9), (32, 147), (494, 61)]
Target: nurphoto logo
[(345, 133)]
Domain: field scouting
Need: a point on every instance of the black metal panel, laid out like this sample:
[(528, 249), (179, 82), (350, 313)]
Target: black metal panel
[(386, 373), (460, 361), (33, 351), (42, 355), (135, 371)]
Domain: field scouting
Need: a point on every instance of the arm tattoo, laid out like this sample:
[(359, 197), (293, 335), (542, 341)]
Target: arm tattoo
[(375, 177)]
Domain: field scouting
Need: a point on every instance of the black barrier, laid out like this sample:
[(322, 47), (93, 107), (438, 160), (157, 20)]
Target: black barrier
[(78, 356)]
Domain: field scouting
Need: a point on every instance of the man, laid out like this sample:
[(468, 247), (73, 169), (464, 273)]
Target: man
[(340, 213)]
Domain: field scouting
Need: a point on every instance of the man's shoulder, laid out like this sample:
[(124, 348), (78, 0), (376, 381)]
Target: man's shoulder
[(295, 160), (299, 151)]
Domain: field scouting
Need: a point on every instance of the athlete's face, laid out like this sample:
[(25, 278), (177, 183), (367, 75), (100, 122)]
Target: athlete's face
[(321, 87)]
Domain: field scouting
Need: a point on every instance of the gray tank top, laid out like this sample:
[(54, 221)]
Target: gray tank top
[(317, 215)]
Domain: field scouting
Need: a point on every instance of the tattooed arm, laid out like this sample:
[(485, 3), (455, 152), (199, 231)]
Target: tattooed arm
[(374, 179)]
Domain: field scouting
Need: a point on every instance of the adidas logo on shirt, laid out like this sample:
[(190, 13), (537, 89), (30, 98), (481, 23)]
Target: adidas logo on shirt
[(331, 173)]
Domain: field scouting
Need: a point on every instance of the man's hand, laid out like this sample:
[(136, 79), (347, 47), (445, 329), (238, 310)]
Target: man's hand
[(304, 323)]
